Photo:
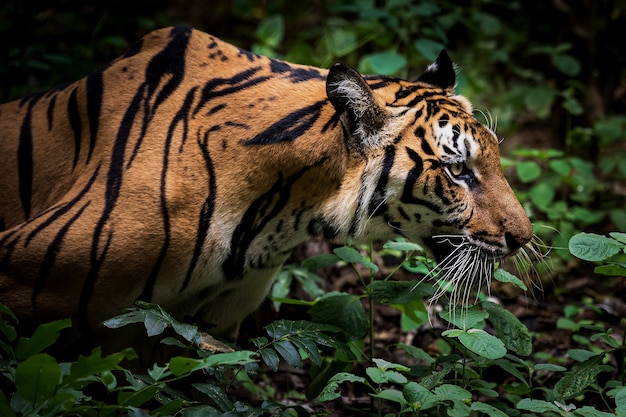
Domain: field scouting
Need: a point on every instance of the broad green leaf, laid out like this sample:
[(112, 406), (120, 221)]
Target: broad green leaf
[(592, 247), (403, 245), (453, 392), (180, 365), (340, 42), (383, 63), (330, 391), (343, 311), (537, 406), (620, 402), (5, 407), (271, 31), (510, 330), (620, 237), (37, 377), (539, 99), (93, 364), (353, 256), (44, 336), (270, 358), (580, 355), (588, 411), (561, 166), (567, 64), (216, 394), (320, 261), (397, 292), (611, 269), (487, 409), (428, 48), (482, 343), (578, 378), (309, 347), (504, 276), (528, 171), (289, 352), (464, 318), (391, 395), (542, 195), (139, 397), (419, 397)]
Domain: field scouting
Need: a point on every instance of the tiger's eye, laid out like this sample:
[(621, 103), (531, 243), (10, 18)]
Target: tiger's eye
[(457, 169)]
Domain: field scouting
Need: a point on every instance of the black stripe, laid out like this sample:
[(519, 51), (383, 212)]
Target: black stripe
[(95, 89), (237, 82), (61, 209), (51, 254), (50, 113), (169, 64), (204, 221), (182, 116), (296, 74), (74, 117), (259, 213), (25, 160), (290, 127), (377, 205), (411, 180)]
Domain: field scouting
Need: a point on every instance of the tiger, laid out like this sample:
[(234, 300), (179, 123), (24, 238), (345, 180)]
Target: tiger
[(185, 172)]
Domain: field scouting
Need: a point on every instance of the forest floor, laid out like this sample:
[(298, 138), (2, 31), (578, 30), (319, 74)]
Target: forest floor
[(539, 310)]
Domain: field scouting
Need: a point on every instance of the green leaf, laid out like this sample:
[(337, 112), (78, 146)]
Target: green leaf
[(510, 330), (482, 343), (403, 245), (5, 407), (587, 411), (537, 406), (464, 318), (340, 42), (93, 364), (429, 48), (37, 377), (592, 247), (453, 392), (539, 99), (180, 365), (44, 336), (567, 64), (343, 311), (620, 402), (487, 409), (289, 353), (330, 391), (397, 292), (528, 171), (320, 261), (418, 397), (578, 378), (270, 358), (611, 269), (620, 237), (216, 394), (504, 276), (353, 256), (542, 195), (271, 31), (383, 63), (390, 395)]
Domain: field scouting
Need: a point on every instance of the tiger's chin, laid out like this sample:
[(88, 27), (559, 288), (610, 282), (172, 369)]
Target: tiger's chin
[(463, 267)]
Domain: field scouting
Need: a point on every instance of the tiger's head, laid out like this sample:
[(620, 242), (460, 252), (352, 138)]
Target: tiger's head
[(433, 170)]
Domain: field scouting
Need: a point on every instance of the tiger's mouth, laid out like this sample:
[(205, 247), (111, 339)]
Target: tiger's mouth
[(447, 248)]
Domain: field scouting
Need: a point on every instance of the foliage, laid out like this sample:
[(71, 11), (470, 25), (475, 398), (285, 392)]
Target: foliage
[(453, 382)]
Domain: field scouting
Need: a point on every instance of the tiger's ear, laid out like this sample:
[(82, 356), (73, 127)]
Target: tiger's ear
[(361, 113), (440, 73)]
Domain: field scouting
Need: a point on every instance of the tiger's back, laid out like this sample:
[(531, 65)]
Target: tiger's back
[(185, 172)]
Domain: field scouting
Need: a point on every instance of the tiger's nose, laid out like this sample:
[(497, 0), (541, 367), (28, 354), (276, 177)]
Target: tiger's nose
[(515, 242)]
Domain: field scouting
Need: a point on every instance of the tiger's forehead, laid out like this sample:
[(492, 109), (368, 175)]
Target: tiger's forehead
[(462, 140)]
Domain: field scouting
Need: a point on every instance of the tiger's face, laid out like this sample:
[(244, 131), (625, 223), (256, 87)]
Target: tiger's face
[(440, 182)]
